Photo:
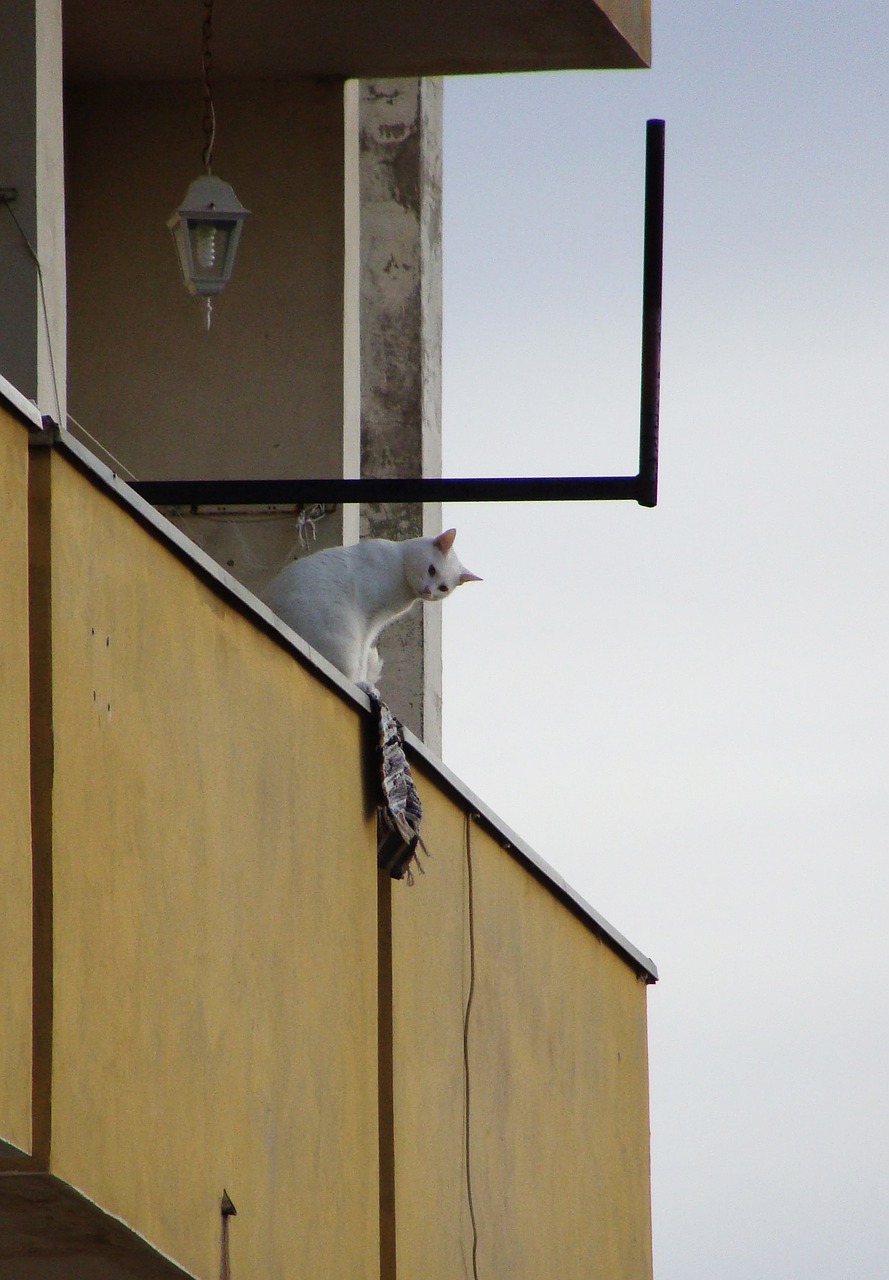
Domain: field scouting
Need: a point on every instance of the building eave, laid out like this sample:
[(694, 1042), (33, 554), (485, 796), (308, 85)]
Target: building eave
[(354, 38)]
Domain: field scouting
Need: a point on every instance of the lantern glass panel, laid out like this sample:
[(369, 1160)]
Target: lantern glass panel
[(209, 247)]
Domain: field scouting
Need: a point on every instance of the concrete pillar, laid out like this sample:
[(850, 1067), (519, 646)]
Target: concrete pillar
[(400, 133), (32, 310)]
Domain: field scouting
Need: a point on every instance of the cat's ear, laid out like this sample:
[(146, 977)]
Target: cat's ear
[(445, 541), (466, 576)]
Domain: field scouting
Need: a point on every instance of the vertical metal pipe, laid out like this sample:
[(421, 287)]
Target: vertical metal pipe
[(652, 289)]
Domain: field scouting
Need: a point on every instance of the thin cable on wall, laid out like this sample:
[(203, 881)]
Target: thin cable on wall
[(121, 467), (8, 198), (467, 1132)]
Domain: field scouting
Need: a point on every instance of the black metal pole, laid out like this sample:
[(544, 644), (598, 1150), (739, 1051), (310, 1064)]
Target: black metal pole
[(199, 493), (652, 292)]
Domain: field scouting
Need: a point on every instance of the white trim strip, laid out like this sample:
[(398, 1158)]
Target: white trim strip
[(24, 408)]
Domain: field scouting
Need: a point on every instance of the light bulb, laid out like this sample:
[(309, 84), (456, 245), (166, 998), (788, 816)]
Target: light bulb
[(206, 245)]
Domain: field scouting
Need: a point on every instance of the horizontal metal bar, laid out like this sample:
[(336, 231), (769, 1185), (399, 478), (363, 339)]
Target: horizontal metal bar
[(200, 493), (641, 488)]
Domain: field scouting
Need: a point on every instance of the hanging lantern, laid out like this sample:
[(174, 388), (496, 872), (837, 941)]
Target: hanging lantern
[(206, 229), (207, 225)]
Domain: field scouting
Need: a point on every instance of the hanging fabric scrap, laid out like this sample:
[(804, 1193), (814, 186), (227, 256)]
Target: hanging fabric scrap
[(400, 812)]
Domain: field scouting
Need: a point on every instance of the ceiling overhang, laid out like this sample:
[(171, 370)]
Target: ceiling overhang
[(146, 40)]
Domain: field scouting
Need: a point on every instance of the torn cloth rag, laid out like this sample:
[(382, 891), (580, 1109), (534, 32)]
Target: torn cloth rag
[(400, 811)]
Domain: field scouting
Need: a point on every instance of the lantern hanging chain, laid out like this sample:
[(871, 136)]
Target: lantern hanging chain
[(209, 124)]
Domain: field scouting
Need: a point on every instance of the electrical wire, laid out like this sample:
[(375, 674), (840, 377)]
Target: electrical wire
[(107, 452), (45, 309), (209, 124), (470, 905)]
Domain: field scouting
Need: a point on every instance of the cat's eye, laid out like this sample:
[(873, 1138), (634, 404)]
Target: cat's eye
[(442, 587), (432, 571)]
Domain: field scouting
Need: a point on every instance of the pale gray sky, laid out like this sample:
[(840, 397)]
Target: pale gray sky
[(686, 710)]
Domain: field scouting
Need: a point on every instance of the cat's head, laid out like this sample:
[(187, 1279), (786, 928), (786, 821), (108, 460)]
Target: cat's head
[(433, 569)]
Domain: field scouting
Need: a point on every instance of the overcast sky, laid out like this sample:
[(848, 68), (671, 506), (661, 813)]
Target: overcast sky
[(686, 710)]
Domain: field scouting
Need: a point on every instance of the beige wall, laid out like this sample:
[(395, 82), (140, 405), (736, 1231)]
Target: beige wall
[(262, 394), (15, 818)]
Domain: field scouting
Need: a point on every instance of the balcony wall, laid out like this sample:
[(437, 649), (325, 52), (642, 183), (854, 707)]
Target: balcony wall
[(15, 817), (215, 918), (239, 1000), (557, 1082)]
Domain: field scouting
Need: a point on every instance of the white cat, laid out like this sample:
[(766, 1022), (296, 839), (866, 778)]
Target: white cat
[(339, 600)]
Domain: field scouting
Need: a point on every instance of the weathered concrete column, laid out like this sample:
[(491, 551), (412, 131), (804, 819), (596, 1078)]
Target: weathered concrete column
[(400, 132), (32, 315)]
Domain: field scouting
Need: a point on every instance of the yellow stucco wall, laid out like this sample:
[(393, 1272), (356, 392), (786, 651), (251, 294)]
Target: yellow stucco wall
[(558, 1085), (15, 818), (215, 917), (215, 955)]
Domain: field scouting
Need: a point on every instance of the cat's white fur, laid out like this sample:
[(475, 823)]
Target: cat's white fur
[(339, 600)]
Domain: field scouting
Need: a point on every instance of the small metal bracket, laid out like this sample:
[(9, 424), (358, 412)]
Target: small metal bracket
[(47, 436)]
